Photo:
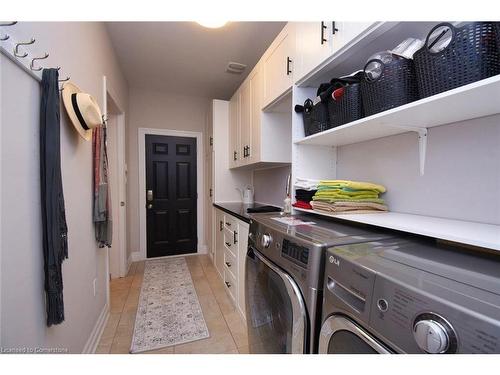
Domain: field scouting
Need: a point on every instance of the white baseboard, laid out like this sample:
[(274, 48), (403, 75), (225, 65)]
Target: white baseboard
[(129, 263), (202, 249), (95, 336), (136, 256)]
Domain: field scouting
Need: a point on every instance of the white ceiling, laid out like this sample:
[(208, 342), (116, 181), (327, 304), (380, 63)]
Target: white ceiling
[(186, 58)]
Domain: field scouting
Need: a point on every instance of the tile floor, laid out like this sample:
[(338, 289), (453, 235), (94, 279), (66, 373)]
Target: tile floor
[(227, 329)]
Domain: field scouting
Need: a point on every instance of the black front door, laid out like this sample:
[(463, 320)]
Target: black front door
[(171, 195)]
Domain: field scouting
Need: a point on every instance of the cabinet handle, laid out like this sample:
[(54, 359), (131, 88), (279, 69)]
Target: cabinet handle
[(245, 151), (323, 28), (221, 225), (227, 284), (228, 244), (334, 29), (235, 239), (228, 264), (288, 61), (234, 155)]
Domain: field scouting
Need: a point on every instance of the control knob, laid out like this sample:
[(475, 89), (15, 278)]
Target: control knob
[(266, 240), (432, 334)]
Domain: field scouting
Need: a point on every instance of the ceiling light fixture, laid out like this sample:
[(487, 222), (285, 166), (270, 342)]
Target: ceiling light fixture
[(212, 24)]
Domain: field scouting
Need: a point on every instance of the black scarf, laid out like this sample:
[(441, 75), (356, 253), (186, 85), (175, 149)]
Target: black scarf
[(54, 229)]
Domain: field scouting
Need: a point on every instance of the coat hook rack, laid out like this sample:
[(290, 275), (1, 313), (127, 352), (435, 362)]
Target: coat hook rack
[(10, 47), (32, 65), (62, 80), (16, 48)]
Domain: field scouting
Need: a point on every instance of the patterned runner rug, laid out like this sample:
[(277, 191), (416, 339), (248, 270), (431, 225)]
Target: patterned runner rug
[(169, 312)]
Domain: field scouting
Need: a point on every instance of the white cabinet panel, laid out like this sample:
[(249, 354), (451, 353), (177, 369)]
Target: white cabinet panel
[(278, 65), (245, 120), (347, 31), (314, 45), (234, 130), (219, 241), (242, 256)]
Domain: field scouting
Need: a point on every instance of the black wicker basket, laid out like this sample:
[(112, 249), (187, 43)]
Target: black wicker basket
[(396, 86), (347, 108), (315, 117), (472, 54)]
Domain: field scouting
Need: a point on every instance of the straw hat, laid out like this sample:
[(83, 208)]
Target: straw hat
[(82, 109)]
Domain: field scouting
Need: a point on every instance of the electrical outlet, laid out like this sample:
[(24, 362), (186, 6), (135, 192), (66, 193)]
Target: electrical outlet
[(94, 283)]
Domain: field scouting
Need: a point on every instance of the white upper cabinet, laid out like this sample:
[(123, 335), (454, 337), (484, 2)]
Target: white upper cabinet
[(278, 65), (245, 120), (318, 41), (234, 130), (347, 31), (314, 45)]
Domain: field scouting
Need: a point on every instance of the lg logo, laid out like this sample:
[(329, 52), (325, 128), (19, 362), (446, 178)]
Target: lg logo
[(334, 260)]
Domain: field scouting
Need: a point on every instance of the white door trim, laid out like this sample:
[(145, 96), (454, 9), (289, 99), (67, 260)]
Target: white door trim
[(120, 229), (202, 248)]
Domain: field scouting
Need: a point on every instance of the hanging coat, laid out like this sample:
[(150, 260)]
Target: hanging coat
[(102, 202), (54, 228)]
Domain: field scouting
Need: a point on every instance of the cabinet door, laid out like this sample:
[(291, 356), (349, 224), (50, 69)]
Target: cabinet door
[(245, 121), (314, 43), (234, 131), (219, 241), (242, 255), (347, 31), (256, 87), (278, 66)]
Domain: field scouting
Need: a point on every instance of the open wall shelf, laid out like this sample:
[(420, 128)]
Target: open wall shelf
[(466, 232), (455, 105)]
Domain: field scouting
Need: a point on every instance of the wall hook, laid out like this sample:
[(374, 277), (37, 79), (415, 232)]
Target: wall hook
[(12, 23), (16, 48), (32, 65), (5, 37), (63, 80)]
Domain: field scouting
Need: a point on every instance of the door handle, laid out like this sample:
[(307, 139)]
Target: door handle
[(149, 195), (323, 28), (150, 206), (288, 61), (334, 29), (228, 264)]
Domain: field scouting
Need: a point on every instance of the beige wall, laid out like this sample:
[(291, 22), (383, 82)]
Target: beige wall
[(160, 110), (270, 185), (83, 50)]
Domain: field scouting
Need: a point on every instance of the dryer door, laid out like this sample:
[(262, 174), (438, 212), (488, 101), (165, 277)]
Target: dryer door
[(275, 309), (340, 335)]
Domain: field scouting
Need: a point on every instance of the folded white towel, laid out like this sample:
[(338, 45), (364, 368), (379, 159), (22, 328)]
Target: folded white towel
[(306, 184)]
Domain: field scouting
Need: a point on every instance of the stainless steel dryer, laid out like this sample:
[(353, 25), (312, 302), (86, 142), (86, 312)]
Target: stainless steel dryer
[(410, 296), (284, 279)]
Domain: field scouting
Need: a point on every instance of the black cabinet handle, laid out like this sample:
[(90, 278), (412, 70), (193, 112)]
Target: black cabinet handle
[(228, 264), (234, 155), (228, 244), (334, 29), (227, 284), (235, 235), (288, 61), (323, 28), (245, 151)]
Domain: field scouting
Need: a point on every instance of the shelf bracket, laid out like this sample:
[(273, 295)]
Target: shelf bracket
[(422, 143)]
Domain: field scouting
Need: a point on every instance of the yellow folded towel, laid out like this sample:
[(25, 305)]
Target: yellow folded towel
[(358, 185)]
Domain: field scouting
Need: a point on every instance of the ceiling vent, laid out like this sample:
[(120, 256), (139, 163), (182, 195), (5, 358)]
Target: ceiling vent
[(235, 68)]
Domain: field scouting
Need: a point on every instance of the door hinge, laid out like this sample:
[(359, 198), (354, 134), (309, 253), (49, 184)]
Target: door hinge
[(211, 141), (211, 191)]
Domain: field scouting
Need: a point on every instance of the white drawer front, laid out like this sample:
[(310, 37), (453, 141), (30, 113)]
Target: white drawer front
[(231, 263), (230, 284)]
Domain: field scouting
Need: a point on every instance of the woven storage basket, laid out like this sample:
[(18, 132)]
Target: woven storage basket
[(348, 108), (315, 118), (472, 54), (397, 85)]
